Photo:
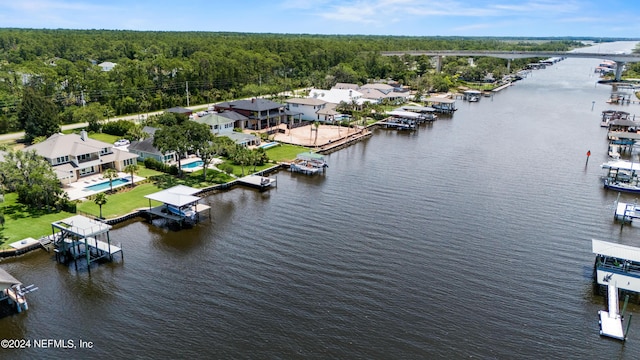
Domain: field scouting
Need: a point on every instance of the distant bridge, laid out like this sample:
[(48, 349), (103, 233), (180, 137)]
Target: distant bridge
[(620, 59)]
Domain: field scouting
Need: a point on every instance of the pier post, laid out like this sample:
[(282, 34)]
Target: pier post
[(619, 66)]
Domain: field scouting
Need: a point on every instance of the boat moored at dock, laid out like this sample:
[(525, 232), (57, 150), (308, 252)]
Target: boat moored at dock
[(309, 163), (622, 175)]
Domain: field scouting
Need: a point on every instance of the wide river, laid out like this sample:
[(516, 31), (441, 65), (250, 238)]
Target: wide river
[(469, 238)]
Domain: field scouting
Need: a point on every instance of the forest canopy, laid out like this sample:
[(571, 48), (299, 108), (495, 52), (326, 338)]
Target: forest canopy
[(159, 70)]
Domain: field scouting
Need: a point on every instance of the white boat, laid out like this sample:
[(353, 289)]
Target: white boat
[(622, 175), (184, 212), (309, 163)]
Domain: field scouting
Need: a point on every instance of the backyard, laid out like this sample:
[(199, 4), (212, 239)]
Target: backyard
[(22, 222)]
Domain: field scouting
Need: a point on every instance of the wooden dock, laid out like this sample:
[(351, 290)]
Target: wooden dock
[(258, 182)]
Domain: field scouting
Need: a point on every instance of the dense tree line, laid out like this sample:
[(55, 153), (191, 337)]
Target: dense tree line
[(158, 70)]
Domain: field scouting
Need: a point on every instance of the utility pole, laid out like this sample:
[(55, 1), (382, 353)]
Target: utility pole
[(187, 89)]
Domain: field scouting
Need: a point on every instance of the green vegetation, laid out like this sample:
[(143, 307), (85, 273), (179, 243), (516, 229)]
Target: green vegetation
[(22, 221), (109, 139), (122, 202), (285, 152), (153, 68)]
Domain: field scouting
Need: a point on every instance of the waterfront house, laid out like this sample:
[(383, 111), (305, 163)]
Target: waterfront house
[(336, 96), (307, 108), (218, 124), (144, 149), (260, 113), (73, 156)]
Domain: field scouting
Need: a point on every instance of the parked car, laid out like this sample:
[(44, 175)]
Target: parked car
[(121, 142)]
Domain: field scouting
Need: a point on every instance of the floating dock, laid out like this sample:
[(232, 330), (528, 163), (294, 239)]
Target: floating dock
[(258, 182)]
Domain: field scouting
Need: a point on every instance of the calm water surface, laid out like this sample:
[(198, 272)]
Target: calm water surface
[(469, 238)]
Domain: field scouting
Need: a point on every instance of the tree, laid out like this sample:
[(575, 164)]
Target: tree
[(132, 169), (37, 115), (208, 151), (241, 156), (316, 125), (32, 177), (100, 200), (168, 139), (110, 174)]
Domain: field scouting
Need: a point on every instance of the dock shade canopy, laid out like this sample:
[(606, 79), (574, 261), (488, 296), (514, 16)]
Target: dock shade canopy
[(6, 280), (179, 196), (404, 114), (617, 251)]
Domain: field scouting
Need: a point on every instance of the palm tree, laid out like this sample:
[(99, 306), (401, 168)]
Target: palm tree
[(131, 169), (316, 125), (110, 174), (100, 200)]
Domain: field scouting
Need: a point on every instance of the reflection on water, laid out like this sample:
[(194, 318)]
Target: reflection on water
[(468, 238)]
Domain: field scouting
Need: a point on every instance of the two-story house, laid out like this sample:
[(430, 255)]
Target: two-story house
[(73, 156), (260, 113)]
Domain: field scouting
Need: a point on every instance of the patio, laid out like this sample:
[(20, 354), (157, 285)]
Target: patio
[(93, 184)]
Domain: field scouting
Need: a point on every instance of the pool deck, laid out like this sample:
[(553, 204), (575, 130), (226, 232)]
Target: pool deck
[(78, 190), (211, 165)]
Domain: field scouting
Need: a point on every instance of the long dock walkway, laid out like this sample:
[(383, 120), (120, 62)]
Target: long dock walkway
[(611, 321)]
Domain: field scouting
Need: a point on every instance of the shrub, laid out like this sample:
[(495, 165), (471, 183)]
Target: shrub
[(117, 128)]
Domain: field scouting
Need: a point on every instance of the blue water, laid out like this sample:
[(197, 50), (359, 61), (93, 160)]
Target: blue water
[(192, 165), (105, 185)]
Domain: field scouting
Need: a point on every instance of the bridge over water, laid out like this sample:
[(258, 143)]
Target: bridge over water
[(620, 59)]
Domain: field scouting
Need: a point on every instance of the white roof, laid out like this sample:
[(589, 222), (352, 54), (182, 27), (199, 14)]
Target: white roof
[(621, 164), (6, 280), (405, 114), (615, 250), (82, 225), (179, 195), (336, 96)]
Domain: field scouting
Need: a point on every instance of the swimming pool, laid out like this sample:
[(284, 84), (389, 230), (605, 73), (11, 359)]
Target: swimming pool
[(268, 145), (192, 165), (105, 185)]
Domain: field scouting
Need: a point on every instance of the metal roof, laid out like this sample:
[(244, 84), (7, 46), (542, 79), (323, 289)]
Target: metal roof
[(179, 196), (6, 280), (618, 251), (81, 226)]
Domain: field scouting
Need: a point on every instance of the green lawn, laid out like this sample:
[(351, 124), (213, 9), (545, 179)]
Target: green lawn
[(122, 202), (109, 139), (22, 222), (285, 152)]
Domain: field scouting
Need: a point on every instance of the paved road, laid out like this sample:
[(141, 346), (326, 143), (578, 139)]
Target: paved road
[(20, 135)]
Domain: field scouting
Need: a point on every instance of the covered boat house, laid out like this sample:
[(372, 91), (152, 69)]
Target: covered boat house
[(179, 205), (79, 236), (12, 292)]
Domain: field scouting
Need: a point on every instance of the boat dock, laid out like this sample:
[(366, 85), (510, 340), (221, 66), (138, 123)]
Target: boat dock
[(78, 236), (258, 182), (179, 205), (309, 163), (13, 292), (611, 320), (617, 266), (626, 212)]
